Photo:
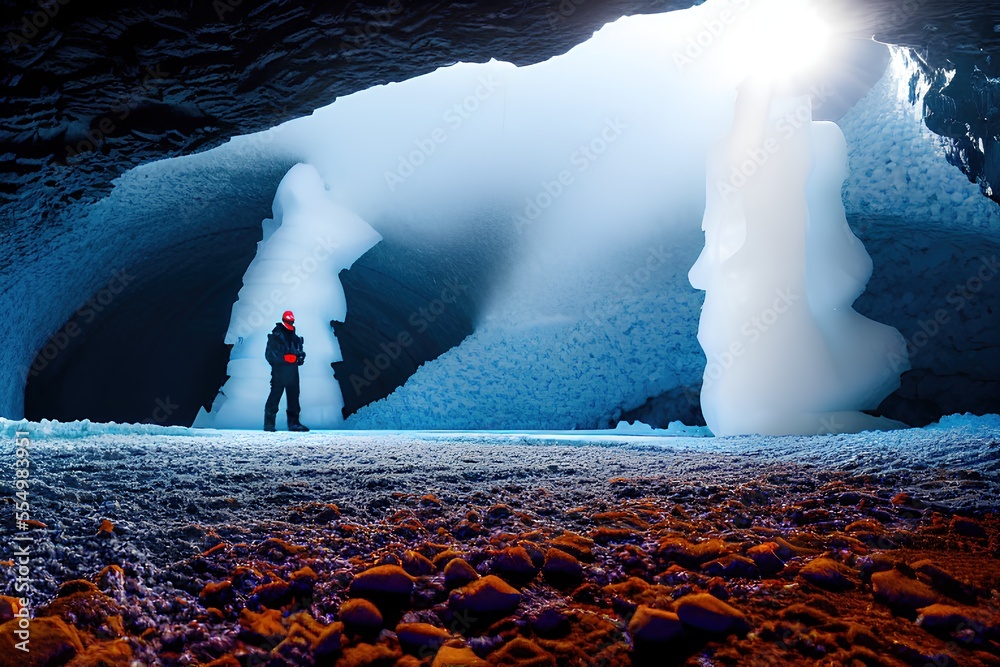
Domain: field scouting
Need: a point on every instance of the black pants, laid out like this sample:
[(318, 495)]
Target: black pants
[(284, 379)]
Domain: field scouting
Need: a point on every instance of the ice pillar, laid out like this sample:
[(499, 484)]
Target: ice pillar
[(786, 352), (304, 248)]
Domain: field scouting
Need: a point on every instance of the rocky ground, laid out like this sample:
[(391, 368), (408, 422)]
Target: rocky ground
[(458, 549)]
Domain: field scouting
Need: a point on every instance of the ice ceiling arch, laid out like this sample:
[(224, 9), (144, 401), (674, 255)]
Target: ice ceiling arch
[(617, 222)]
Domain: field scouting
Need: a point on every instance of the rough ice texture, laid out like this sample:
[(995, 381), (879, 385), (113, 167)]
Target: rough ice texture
[(898, 167)]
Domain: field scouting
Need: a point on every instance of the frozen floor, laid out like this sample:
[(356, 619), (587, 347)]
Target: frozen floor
[(173, 492)]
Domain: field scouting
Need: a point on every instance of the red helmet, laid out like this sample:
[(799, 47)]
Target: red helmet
[(288, 317)]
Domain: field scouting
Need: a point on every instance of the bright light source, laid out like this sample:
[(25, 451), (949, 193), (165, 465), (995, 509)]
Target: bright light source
[(784, 38)]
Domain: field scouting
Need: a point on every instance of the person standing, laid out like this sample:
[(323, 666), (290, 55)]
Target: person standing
[(285, 354)]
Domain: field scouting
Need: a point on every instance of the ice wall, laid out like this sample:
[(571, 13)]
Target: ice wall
[(304, 247), (594, 313), (898, 166), (781, 268)]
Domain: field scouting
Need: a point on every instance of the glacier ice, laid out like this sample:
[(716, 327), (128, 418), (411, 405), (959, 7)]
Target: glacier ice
[(781, 268), (578, 327), (304, 248)]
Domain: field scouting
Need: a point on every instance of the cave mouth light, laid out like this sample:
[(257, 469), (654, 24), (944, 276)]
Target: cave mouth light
[(780, 39)]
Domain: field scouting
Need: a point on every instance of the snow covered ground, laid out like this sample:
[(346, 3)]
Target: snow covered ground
[(173, 492)]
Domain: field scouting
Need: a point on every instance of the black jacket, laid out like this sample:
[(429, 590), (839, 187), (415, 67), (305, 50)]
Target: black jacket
[(282, 341)]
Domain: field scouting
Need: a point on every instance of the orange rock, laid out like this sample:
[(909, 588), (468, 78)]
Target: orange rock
[(281, 546), (765, 557), (329, 641), (608, 535), (107, 529), (689, 554), (224, 661), (360, 616), (487, 596), (265, 627), (76, 586), (521, 652), (368, 655), (450, 656), (900, 593), (274, 595), (303, 623), (442, 559), (111, 579), (561, 569), (416, 637), (8, 607), (117, 653), (710, 614), (382, 580), (828, 574), (52, 642), (865, 526), (304, 574), (654, 626), (217, 594), (577, 545), (458, 573), (417, 564), (514, 564), (221, 546)]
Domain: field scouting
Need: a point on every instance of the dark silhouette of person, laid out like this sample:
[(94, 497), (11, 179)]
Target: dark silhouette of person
[(285, 354)]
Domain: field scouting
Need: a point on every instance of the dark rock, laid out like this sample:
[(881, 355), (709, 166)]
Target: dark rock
[(828, 574), (655, 626), (900, 593), (709, 614)]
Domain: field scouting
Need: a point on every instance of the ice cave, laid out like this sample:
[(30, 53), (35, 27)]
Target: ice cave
[(557, 205), (609, 314)]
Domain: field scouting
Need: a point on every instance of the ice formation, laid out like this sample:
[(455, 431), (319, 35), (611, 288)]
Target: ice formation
[(781, 268), (588, 170), (304, 248)]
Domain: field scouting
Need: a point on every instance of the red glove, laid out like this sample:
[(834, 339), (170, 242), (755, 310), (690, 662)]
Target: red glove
[(291, 358)]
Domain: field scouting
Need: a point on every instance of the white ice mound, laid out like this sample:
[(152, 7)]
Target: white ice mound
[(304, 248), (787, 354)]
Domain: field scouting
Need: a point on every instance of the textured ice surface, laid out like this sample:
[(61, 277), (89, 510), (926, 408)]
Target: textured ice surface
[(898, 166)]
